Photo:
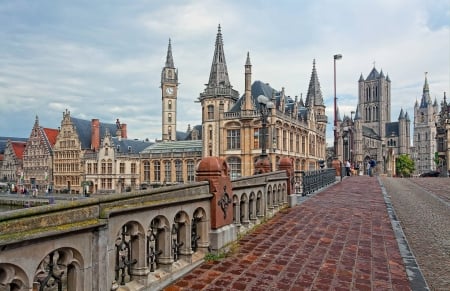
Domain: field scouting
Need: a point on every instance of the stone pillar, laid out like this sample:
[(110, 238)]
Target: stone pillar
[(336, 164), (286, 164), (215, 170)]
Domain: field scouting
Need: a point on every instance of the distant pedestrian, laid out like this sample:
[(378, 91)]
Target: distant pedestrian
[(368, 168), (347, 167)]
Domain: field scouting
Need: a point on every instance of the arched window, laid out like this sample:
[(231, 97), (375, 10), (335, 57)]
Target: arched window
[(157, 171), (179, 171)]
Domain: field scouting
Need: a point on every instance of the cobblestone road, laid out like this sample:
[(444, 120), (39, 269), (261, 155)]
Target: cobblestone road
[(423, 207)]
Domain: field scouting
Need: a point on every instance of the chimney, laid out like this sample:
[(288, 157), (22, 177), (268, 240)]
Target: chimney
[(95, 134), (124, 130)]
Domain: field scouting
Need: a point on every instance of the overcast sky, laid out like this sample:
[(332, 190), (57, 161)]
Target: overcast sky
[(103, 59)]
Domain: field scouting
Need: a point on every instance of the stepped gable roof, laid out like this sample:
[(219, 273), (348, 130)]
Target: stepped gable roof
[(124, 145), (18, 148), (392, 128), (4, 140), (175, 146), (369, 132), (83, 128)]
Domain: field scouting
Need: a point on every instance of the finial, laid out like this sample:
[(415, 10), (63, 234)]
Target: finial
[(219, 29)]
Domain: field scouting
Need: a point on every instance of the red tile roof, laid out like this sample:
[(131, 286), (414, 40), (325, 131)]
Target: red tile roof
[(52, 134), (18, 148)]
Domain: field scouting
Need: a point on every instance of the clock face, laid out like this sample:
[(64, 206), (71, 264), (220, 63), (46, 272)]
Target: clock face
[(169, 90)]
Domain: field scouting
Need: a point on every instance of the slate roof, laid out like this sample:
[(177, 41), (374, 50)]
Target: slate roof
[(369, 132), (392, 128), (136, 146), (83, 128), (175, 146)]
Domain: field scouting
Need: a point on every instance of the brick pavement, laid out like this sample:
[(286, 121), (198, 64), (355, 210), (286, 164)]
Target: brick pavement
[(339, 239)]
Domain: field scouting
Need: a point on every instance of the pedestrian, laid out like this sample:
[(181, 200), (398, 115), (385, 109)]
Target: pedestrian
[(347, 167), (368, 168)]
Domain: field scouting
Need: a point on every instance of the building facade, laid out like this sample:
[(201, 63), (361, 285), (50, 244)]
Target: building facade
[(12, 164), (371, 134), (38, 158), (114, 167), (424, 141), (76, 138), (443, 138)]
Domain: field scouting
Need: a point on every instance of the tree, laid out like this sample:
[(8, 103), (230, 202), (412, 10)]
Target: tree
[(404, 166)]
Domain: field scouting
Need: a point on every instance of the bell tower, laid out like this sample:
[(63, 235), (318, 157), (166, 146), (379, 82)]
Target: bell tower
[(169, 90)]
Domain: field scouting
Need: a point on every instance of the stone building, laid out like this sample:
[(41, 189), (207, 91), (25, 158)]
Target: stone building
[(76, 138), (443, 137), (233, 127), (115, 166), (10, 166), (371, 134), (424, 141), (38, 158), (12, 163)]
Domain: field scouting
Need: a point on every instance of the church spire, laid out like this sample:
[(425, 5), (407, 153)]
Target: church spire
[(219, 72), (426, 99), (169, 58), (314, 95)]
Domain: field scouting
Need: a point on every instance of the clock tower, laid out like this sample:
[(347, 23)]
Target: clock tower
[(169, 88)]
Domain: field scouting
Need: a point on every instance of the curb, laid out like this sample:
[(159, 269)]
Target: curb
[(415, 275)]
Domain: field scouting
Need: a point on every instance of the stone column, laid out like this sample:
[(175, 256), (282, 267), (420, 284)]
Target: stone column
[(215, 170)]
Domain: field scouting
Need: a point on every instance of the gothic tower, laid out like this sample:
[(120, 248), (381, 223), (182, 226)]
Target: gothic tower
[(425, 117), (169, 90), (374, 103), (217, 98), (314, 100)]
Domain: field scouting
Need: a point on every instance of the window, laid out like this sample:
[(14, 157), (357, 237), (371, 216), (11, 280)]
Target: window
[(297, 143), (122, 168), (146, 170), (106, 151), (167, 171), (190, 171), (103, 167), (169, 117), (133, 168), (256, 138), (210, 112), (89, 168), (169, 106), (233, 139), (157, 171), (235, 167), (179, 171), (109, 167)]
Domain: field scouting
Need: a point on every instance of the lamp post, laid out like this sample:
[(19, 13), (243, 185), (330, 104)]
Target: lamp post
[(263, 165), (336, 57), (265, 105)]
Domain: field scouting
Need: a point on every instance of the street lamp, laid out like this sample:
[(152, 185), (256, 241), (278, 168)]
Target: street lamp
[(263, 165), (265, 105), (336, 57)]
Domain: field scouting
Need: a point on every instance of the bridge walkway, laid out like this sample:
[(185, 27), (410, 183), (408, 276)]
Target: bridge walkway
[(339, 239)]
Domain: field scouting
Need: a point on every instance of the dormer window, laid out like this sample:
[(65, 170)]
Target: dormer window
[(118, 148), (129, 149)]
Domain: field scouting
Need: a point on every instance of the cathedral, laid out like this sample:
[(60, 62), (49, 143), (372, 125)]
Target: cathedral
[(370, 134)]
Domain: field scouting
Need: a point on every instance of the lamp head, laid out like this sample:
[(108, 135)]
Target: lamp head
[(338, 57)]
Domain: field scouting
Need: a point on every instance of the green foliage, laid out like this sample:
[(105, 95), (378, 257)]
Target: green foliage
[(209, 257), (404, 166), (436, 158)]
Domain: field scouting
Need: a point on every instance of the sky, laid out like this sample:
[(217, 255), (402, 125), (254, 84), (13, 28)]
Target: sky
[(103, 59)]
